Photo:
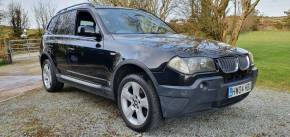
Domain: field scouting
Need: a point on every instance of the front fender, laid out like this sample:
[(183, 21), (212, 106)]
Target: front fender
[(135, 63)]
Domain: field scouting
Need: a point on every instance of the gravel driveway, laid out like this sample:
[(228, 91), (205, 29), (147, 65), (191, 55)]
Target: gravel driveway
[(19, 77), (76, 113)]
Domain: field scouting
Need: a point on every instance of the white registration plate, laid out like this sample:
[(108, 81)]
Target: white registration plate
[(239, 90)]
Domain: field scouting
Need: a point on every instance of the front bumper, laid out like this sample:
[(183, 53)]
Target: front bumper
[(205, 94)]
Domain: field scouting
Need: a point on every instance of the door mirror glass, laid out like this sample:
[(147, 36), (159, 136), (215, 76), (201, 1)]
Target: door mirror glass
[(88, 31)]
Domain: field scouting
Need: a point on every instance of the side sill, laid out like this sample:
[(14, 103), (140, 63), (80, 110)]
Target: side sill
[(96, 89), (97, 86)]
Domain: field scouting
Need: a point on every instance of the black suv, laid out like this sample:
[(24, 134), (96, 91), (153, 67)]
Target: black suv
[(137, 60)]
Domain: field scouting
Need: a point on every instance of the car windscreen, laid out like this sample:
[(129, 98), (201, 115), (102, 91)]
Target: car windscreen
[(130, 21)]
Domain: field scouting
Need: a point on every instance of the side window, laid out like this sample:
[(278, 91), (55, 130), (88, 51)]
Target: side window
[(52, 24), (85, 21), (66, 23)]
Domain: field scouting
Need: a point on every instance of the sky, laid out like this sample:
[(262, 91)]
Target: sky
[(266, 7)]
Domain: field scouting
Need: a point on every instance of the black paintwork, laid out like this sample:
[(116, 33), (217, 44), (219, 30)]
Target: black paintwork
[(98, 61)]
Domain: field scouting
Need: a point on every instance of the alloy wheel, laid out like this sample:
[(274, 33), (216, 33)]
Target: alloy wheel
[(47, 76), (134, 103)]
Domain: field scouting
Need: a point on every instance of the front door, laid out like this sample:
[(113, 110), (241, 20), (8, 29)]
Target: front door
[(87, 54)]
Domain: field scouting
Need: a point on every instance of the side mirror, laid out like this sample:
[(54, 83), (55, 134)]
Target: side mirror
[(86, 31), (89, 31)]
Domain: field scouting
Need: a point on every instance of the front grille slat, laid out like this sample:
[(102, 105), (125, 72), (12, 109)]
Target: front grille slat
[(233, 64), (228, 64)]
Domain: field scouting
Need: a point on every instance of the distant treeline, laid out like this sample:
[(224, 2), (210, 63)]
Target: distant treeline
[(6, 32), (252, 23)]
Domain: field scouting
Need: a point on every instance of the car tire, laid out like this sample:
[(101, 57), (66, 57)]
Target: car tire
[(139, 103), (50, 82)]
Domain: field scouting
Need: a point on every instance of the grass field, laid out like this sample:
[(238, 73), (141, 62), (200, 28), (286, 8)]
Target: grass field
[(1, 62), (271, 50)]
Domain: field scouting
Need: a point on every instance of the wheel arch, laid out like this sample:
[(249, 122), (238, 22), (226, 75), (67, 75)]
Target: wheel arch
[(129, 65), (42, 58), (45, 56)]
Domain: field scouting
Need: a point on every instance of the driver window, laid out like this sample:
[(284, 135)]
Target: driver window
[(85, 22)]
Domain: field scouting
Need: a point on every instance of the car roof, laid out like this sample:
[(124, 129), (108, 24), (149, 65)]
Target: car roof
[(89, 5)]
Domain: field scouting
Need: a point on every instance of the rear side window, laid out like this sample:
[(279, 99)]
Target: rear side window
[(52, 24), (66, 23)]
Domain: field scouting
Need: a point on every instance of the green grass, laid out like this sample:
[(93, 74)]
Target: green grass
[(271, 51), (2, 62)]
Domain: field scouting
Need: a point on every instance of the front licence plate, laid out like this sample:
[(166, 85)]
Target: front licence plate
[(239, 90)]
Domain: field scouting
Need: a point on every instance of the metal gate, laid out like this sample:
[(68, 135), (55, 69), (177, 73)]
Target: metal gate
[(23, 49)]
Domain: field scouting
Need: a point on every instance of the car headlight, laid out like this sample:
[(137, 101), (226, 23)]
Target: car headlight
[(192, 65), (251, 58)]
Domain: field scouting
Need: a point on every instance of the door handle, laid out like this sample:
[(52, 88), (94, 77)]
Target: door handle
[(98, 45), (113, 54), (71, 49)]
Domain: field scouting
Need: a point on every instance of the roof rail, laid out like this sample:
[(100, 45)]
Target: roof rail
[(81, 4)]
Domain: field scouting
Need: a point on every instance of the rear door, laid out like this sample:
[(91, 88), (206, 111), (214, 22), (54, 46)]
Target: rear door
[(49, 42), (63, 39)]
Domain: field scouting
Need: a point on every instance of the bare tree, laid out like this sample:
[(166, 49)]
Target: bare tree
[(43, 11), (1, 13), (17, 17), (1, 16), (166, 8), (247, 7), (209, 16), (160, 8)]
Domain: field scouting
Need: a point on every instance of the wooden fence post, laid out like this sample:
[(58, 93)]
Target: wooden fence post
[(9, 55), (28, 46)]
